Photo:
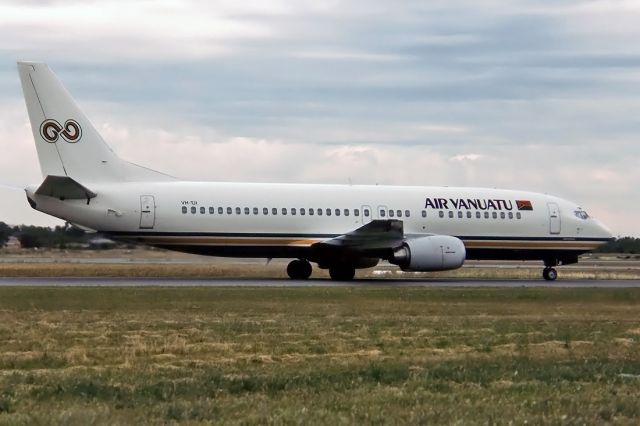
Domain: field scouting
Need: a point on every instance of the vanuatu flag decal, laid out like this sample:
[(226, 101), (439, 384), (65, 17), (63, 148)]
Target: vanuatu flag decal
[(524, 205)]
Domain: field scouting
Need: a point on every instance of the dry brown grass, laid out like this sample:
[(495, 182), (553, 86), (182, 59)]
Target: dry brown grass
[(320, 355), (253, 270), (150, 263)]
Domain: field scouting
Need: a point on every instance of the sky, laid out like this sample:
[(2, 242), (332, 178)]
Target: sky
[(521, 94)]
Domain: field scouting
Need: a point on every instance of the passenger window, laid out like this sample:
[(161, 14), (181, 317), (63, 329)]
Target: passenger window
[(502, 215), (346, 212), (302, 211), (246, 210), (337, 212), (450, 215), (229, 210), (494, 215), (383, 213), (274, 211), (391, 213), (356, 212), (510, 215), (212, 210), (255, 210), (486, 215), (310, 212), (193, 210), (184, 209), (468, 215), (399, 213), (202, 210), (265, 211), (407, 213), (441, 213), (424, 213), (459, 215), (518, 215), (293, 211), (366, 212), (328, 212), (284, 211), (319, 212), (238, 210)]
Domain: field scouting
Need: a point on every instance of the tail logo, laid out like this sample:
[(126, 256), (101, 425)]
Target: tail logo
[(50, 130)]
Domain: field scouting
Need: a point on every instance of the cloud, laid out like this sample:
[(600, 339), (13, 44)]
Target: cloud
[(522, 94), (201, 153), (158, 30), (466, 157), (344, 55)]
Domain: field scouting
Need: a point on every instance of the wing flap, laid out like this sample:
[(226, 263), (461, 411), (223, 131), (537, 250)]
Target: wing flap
[(65, 188)]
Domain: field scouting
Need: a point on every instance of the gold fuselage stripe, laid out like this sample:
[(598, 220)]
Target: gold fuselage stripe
[(287, 241)]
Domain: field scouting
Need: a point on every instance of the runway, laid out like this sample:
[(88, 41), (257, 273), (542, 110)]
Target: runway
[(257, 282)]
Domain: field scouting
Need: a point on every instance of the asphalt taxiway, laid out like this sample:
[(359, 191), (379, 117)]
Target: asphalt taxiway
[(257, 282)]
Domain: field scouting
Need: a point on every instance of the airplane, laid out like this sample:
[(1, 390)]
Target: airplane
[(338, 227)]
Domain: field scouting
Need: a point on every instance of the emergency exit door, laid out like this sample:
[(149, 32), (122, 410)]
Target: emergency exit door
[(554, 218), (147, 211)]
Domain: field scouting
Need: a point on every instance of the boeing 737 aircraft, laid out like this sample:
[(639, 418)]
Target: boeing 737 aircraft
[(338, 227)]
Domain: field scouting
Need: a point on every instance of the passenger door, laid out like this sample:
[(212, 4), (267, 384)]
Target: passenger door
[(147, 212), (554, 218)]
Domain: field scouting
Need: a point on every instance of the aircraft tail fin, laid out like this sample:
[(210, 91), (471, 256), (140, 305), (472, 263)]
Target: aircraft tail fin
[(66, 141)]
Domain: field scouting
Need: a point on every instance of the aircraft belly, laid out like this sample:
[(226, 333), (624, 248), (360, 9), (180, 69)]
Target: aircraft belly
[(523, 254), (255, 251)]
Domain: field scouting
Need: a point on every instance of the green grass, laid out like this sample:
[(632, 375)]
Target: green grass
[(153, 267), (319, 355)]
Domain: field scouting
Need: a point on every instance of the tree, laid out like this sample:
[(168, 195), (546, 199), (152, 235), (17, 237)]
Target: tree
[(29, 240), (622, 245), (5, 233)]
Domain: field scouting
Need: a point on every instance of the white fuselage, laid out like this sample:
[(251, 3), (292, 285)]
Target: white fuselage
[(274, 220)]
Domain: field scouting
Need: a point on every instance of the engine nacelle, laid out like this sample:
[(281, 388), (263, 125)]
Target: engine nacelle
[(432, 253)]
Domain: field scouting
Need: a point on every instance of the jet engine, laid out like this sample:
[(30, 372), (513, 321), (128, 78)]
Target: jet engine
[(432, 253)]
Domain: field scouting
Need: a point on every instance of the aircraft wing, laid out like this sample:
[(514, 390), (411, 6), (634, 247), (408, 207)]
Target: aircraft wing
[(375, 235)]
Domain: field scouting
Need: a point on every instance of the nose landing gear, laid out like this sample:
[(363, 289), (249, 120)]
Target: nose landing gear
[(549, 273), (299, 269)]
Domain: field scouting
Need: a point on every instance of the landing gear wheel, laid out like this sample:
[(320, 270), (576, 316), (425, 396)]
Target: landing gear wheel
[(299, 269), (550, 274), (342, 273)]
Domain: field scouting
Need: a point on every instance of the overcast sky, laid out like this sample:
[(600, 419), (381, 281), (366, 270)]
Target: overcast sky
[(535, 95)]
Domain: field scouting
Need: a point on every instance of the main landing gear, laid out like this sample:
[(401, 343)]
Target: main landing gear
[(549, 273), (299, 269), (342, 272)]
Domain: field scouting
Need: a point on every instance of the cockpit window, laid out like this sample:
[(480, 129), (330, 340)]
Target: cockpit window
[(581, 214)]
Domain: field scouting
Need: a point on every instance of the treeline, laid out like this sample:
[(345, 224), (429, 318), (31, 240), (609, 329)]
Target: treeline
[(621, 245), (62, 237), (39, 236)]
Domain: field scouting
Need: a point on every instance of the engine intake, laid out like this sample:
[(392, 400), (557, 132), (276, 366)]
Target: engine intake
[(432, 253)]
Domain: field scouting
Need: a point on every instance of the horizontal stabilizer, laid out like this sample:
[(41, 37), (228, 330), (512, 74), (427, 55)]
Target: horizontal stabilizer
[(65, 188)]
